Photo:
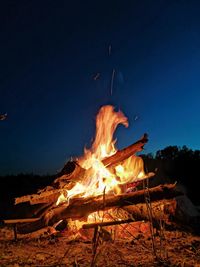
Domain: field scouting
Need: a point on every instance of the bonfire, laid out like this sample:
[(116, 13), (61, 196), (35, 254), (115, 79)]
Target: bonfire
[(102, 189)]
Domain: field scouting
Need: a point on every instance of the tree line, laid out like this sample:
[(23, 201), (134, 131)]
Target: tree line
[(179, 164)]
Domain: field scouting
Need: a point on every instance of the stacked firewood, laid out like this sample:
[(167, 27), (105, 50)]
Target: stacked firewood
[(166, 202)]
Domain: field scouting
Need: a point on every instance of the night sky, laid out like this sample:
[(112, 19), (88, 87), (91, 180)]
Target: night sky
[(51, 51)]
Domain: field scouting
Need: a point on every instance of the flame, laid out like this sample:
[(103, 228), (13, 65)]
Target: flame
[(103, 146), (99, 179)]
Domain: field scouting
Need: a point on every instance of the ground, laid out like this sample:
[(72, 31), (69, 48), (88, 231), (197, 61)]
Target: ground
[(171, 248)]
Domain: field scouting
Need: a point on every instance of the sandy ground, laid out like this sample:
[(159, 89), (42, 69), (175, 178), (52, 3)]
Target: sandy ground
[(172, 248)]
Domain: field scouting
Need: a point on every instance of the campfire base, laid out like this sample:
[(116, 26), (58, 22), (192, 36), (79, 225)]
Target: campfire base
[(171, 212)]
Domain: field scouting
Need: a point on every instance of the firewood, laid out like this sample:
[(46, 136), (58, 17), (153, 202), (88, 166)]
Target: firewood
[(43, 197), (125, 153), (82, 207), (73, 172), (161, 210)]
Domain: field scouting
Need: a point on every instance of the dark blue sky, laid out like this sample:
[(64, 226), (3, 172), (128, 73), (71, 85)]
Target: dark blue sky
[(50, 52)]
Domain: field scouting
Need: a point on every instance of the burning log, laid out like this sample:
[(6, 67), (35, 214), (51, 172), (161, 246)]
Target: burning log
[(82, 207), (77, 173), (72, 169), (73, 172), (125, 153)]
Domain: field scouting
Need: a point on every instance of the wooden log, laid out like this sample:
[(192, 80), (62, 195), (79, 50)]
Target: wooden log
[(43, 197), (79, 208), (161, 210), (156, 211), (125, 153), (71, 172)]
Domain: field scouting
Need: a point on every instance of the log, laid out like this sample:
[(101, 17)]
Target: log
[(125, 153), (43, 197), (156, 211), (161, 210), (79, 208), (172, 214)]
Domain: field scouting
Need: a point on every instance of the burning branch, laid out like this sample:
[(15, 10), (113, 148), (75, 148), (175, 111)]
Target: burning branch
[(125, 153)]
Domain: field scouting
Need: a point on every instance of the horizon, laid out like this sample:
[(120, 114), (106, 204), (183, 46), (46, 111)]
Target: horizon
[(52, 174)]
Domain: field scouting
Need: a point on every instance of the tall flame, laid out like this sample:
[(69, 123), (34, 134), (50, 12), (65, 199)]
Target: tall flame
[(103, 146), (98, 178)]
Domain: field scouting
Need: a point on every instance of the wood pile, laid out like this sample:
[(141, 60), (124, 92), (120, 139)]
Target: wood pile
[(162, 202)]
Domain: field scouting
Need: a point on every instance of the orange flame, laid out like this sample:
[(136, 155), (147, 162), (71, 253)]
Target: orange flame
[(98, 178), (103, 146)]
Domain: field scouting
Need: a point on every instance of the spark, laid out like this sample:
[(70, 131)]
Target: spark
[(3, 117), (109, 50), (96, 77), (112, 81)]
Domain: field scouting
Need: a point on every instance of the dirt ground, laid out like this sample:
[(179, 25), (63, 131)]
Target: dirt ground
[(169, 248)]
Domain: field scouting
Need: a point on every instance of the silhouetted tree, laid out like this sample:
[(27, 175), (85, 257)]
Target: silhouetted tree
[(168, 153), (182, 165)]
